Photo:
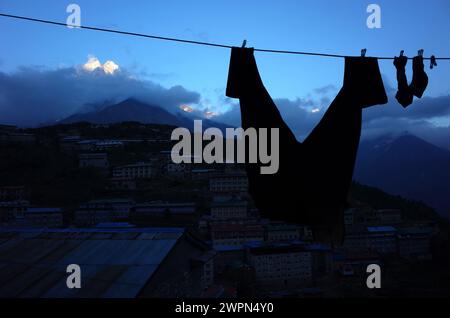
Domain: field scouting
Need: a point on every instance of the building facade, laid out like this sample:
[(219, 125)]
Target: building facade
[(281, 267), (96, 160), (233, 209), (229, 182), (236, 234), (134, 171)]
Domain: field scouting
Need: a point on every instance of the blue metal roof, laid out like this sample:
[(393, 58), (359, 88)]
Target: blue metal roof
[(179, 230), (114, 262), (381, 229), (43, 210), (228, 248), (318, 247)]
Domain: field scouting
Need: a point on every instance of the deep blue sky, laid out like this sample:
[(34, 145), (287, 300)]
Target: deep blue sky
[(317, 25)]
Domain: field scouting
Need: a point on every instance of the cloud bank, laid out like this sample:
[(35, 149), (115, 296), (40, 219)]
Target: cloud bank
[(427, 118), (32, 96)]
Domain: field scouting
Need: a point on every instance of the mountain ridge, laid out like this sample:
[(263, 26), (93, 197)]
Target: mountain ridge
[(407, 166), (134, 110)]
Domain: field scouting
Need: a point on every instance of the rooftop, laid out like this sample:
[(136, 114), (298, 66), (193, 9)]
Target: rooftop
[(92, 155), (230, 203), (282, 227), (44, 210), (113, 200), (278, 249), (115, 262), (166, 204), (135, 165), (376, 229)]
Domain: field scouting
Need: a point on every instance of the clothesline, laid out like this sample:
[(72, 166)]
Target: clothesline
[(190, 41)]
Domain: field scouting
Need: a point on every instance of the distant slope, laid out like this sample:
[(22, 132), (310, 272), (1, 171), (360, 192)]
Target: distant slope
[(378, 199), (407, 166), (128, 110), (133, 110)]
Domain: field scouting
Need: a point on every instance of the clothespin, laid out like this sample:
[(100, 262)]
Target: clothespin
[(402, 52), (420, 52), (363, 52), (433, 62), (244, 44)]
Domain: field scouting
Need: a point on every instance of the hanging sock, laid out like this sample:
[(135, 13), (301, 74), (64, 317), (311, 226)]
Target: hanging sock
[(420, 78), (433, 62), (404, 94)]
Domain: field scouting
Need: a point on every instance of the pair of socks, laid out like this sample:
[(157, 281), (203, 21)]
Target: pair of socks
[(419, 83)]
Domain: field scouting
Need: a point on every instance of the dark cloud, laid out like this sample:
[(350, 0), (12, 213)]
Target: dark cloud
[(32, 96), (35, 95), (300, 114), (426, 108), (420, 118), (424, 129), (391, 119)]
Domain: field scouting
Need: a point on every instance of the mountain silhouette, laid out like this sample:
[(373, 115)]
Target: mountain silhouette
[(128, 110), (137, 111), (407, 166)]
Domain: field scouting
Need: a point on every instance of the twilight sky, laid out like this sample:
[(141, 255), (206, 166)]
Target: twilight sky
[(43, 65)]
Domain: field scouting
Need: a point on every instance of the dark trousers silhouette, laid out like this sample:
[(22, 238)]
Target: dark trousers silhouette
[(314, 176)]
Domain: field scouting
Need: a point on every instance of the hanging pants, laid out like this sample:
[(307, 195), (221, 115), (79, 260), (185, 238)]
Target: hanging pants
[(312, 184)]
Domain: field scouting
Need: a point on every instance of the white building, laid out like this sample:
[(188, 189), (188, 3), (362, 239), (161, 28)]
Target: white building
[(202, 174), (236, 234), (101, 211), (134, 171), (175, 169), (370, 217), (120, 183), (99, 145), (152, 209), (229, 182), (12, 193), (13, 210), (414, 243), (278, 232), (229, 210), (96, 160), (281, 266), (382, 239)]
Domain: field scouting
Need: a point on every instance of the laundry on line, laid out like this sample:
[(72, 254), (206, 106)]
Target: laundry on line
[(432, 58)]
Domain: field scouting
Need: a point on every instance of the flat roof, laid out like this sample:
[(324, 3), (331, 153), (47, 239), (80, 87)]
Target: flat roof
[(374, 229), (267, 250), (114, 262), (139, 164), (43, 210)]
